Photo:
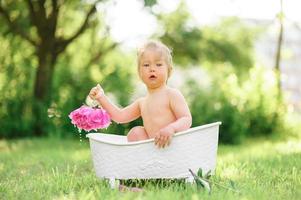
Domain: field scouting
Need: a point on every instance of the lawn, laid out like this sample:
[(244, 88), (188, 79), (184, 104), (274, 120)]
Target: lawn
[(62, 169)]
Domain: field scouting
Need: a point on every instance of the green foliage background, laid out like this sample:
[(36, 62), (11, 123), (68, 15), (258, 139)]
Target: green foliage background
[(235, 91)]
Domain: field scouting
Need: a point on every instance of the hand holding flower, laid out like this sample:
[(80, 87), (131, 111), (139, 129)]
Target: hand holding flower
[(96, 92)]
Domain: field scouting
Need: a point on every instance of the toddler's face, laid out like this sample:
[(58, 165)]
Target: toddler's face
[(153, 68)]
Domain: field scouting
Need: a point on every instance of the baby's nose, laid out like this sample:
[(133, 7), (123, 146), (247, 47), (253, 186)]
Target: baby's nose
[(152, 69)]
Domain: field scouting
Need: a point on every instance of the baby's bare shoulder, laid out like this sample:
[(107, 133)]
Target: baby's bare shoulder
[(140, 100), (173, 92)]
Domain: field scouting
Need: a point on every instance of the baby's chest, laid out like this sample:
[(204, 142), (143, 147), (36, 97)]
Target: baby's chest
[(155, 108)]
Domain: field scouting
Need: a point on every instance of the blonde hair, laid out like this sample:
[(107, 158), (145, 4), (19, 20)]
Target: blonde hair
[(156, 45)]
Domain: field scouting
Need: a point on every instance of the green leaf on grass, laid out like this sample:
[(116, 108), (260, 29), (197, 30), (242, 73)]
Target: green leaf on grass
[(208, 175), (200, 182), (200, 172), (232, 184), (205, 184)]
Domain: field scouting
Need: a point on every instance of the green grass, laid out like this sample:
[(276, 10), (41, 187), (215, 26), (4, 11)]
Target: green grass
[(62, 169)]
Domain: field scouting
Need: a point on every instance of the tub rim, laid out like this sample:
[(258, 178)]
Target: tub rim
[(92, 135)]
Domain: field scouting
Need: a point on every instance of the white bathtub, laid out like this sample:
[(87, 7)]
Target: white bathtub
[(114, 158)]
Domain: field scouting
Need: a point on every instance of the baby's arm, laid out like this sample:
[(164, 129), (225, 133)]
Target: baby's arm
[(119, 115), (180, 110)]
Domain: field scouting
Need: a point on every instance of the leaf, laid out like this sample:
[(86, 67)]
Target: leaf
[(201, 183), (196, 178), (205, 184), (232, 184), (193, 174), (200, 172), (208, 175)]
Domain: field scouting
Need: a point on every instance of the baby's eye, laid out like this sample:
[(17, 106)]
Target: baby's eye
[(159, 64), (146, 65)]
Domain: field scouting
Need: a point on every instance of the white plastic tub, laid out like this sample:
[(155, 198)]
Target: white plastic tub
[(115, 158)]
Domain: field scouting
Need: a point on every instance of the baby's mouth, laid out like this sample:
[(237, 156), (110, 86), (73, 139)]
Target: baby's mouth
[(152, 77)]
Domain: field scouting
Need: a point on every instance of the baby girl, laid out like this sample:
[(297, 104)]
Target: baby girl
[(164, 110)]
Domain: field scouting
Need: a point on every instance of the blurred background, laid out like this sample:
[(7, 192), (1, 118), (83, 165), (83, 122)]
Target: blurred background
[(235, 61)]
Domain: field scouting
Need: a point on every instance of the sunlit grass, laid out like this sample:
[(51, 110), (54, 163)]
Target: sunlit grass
[(62, 169)]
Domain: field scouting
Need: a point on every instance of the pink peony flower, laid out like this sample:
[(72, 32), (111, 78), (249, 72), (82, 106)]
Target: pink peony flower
[(88, 118)]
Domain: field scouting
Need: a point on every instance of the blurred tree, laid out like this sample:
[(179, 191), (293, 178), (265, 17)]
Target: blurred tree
[(230, 41), (246, 109), (38, 23)]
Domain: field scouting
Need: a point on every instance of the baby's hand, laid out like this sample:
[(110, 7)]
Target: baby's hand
[(96, 92), (163, 137)]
